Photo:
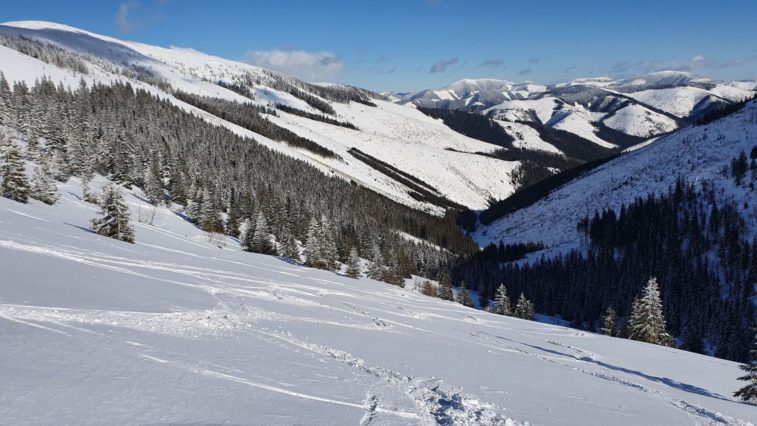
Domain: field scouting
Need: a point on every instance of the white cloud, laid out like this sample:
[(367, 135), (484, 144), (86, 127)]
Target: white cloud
[(309, 66), (122, 17)]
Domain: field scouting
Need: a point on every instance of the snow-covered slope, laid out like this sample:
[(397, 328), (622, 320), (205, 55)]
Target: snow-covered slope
[(175, 330), (641, 108), (699, 154), (399, 136)]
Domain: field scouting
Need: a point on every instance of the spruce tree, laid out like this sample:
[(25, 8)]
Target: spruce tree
[(247, 231), (376, 268), (289, 247), (313, 247), (445, 288), (154, 183), (524, 308), (463, 297), (749, 392), (647, 322), (210, 219), (114, 216), (502, 301), (43, 186), (353, 264), (15, 185), (608, 322), (261, 240)]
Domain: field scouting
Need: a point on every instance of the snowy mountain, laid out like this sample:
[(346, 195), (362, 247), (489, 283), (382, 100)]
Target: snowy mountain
[(175, 330), (449, 165), (699, 154), (609, 113)]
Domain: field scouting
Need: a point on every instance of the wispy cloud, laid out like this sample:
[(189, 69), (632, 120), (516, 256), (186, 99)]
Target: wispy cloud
[(491, 63), (569, 69), (525, 71), (534, 60), (442, 65), (131, 16), (310, 66)]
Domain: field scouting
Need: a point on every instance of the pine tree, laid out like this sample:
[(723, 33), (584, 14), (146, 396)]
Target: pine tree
[(154, 183), (608, 322), (749, 392), (15, 185), (445, 288), (376, 268), (245, 235), (353, 264), (463, 297), (114, 216), (502, 301), (261, 240), (43, 186), (313, 248), (647, 323), (209, 217), (524, 308), (289, 247)]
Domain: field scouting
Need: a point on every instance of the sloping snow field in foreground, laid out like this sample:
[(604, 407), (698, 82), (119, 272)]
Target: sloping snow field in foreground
[(174, 329)]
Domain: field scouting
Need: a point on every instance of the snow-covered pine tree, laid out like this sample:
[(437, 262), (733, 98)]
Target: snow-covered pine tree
[(210, 219), (608, 322), (445, 288), (289, 247), (246, 232), (502, 304), (5, 102), (313, 247), (749, 392), (328, 244), (43, 186), (647, 322), (154, 182), (113, 220), (524, 308), (15, 185), (353, 264), (261, 240), (376, 268), (463, 297)]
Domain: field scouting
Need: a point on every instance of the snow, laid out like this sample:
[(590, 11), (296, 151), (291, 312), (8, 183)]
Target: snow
[(696, 153), (636, 120), (526, 137), (679, 101), (514, 110), (175, 330), (579, 123)]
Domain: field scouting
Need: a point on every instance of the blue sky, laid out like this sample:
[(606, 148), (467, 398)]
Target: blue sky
[(404, 45)]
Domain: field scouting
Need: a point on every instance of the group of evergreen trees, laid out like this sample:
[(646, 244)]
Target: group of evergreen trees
[(222, 182), (696, 248)]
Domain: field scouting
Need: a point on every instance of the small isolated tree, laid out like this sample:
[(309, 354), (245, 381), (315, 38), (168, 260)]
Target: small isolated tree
[(647, 323), (502, 301), (43, 186), (15, 185), (463, 297), (524, 308), (445, 288), (749, 392), (608, 322), (114, 216), (353, 264)]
